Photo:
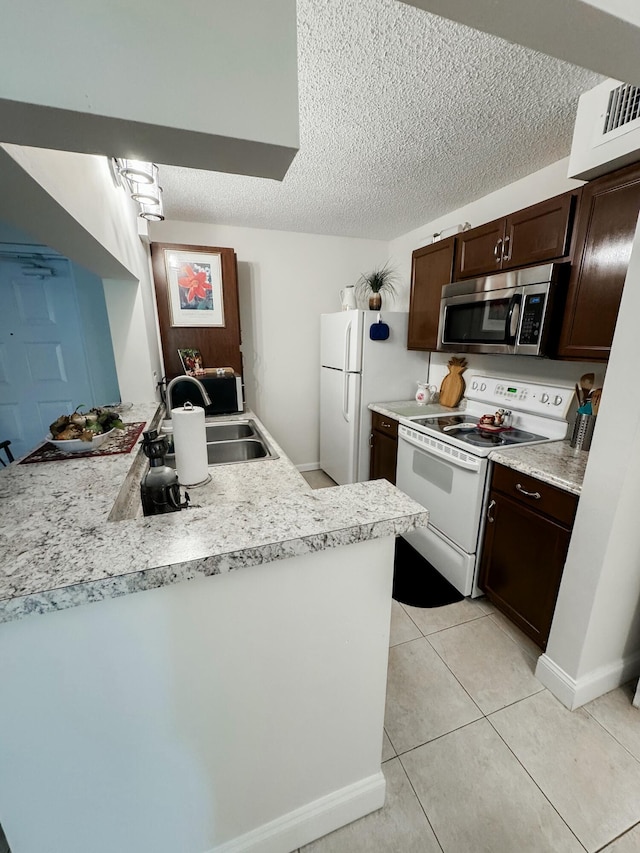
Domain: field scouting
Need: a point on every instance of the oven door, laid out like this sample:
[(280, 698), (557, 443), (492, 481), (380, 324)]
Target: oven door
[(449, 482), (484, 321)]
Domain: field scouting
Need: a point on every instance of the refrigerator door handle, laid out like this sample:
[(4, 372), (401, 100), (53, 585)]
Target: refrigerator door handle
[(347, 346), (345, 396), (345, 375)]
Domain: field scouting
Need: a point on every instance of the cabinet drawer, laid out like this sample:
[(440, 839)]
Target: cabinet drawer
[(542, 497), (382, 423)]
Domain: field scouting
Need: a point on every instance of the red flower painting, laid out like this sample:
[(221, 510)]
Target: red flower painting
[(195, 287)]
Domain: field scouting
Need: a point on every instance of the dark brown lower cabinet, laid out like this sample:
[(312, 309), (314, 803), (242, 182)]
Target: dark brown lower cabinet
[(525, 546), (384, 448)]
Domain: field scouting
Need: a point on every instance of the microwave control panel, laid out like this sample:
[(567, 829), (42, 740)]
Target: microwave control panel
[(532, 316)]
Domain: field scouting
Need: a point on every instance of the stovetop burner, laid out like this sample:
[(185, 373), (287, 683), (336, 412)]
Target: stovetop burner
[(458, 427)]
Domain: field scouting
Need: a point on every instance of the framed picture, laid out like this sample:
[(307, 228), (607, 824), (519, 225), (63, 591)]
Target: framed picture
[(194, 283), (191, 361)]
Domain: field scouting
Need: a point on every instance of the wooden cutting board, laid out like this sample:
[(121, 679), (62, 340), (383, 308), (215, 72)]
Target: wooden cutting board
[(453, 385)]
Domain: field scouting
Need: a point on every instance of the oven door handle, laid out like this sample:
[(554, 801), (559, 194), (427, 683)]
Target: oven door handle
[(510, 334), (429, 450)]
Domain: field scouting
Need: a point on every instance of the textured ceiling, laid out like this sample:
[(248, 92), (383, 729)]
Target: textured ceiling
[(404, 116)]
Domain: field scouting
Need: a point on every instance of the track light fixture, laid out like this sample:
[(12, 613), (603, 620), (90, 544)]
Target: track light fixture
[(153, 212), (142, 179), (138, 171)]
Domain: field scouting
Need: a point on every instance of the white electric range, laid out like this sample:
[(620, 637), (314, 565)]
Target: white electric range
[(443, 464)]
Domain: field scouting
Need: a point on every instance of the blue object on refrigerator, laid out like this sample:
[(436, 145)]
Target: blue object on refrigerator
[(379, 331)]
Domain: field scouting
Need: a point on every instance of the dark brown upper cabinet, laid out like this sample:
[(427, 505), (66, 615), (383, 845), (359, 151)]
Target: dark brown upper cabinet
[(531, 236), (431, 269), (480, 250), (606, 225)]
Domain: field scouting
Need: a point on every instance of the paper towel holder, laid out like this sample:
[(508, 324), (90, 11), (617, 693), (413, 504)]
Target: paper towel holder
[(186, 470)]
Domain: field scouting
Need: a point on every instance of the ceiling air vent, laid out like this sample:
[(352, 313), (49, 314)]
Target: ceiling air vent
[(607, 130), (623, 107)]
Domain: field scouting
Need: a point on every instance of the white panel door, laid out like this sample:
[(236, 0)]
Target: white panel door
[(339, 424), (43, 369), (341, 340)]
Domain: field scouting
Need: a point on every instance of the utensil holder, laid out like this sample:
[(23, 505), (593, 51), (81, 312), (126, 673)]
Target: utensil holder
[(583, 432)]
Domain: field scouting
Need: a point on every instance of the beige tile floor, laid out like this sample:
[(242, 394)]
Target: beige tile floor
[(480, 758), (318, 479)]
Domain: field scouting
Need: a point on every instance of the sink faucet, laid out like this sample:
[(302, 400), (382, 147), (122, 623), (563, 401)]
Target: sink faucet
[(206, 398)]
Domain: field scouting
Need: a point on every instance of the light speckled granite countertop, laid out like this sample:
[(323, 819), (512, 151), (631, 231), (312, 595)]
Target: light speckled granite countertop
[(409, 409), (58, 549), (555, 463)]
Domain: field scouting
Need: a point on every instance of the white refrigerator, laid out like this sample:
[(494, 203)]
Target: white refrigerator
[(356, 371)]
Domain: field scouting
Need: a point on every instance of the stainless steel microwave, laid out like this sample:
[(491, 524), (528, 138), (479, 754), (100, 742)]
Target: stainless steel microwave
[(510, 312)]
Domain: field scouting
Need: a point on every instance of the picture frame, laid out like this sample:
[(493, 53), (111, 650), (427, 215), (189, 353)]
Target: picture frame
[(194, 288), (192, 361)]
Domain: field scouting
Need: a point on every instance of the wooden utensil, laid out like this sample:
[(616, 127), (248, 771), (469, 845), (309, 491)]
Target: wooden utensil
[(579, 395), (595, 400), (586, 384), (452, 388)]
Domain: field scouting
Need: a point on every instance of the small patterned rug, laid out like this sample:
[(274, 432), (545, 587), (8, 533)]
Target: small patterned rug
[(122, 442)]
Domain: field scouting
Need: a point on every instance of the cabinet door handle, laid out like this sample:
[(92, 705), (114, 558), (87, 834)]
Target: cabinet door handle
[(385, 424), (506, 249), (371, 440), (535, 495), (490, 518), (497, 251)]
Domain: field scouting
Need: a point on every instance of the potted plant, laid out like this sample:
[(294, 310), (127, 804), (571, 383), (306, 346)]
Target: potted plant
[(374, 284)]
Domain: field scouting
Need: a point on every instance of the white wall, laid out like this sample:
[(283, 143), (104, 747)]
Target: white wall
[(102, 236), (626, 9), (285, 282), (589, 34), (247, 706), (200, 84), (547, 182)]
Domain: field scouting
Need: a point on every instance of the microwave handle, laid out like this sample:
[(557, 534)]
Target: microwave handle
[(509, 335)]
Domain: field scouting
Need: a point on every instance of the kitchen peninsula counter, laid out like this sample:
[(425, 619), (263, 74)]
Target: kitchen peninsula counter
[(237, 712), (554, 462), (59, 549)]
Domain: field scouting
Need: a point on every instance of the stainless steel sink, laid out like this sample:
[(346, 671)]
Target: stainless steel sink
[(230, 431), (230, 442), (241, 450)]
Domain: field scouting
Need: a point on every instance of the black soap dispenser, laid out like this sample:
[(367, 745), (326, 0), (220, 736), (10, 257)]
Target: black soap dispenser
[(159, 489)]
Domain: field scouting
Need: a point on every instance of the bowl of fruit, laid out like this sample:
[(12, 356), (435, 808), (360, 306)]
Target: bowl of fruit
[(82, 432)]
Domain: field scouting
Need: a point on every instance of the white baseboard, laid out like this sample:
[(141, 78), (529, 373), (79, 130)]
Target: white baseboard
[(573, 693), (312, 821), (309, 466)]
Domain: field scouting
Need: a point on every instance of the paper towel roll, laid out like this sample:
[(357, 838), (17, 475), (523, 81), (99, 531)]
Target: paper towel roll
[(190, 443)]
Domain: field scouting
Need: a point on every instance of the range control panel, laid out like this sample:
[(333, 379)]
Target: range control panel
[(553, 401)]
